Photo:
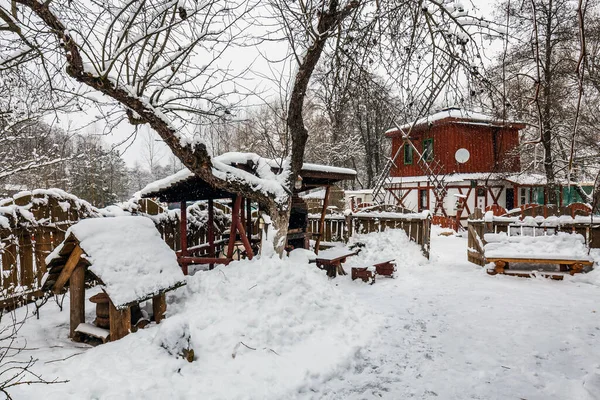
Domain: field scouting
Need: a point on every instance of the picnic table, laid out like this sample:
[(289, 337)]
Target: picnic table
[(332, 259)]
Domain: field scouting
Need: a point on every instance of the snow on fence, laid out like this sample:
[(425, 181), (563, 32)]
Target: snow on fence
[(338, 228), (33, 223), (544, 223)]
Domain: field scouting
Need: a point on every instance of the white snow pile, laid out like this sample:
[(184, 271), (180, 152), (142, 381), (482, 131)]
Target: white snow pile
[(391, 244), (261, 329), (128, 255), (570, 246)]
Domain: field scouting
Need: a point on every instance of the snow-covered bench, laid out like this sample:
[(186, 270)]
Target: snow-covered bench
[(385, 268), (568, 250)]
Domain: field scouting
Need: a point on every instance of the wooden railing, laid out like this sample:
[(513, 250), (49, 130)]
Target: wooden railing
[(480, 224), (32, 224), (338, 228)]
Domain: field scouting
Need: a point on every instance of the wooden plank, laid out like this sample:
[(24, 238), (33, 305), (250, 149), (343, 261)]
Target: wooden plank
[(77, 304), (43, 247), (120, 322), (159, 307), (68, 269), (539, 260), (26, 259), (9, 264)]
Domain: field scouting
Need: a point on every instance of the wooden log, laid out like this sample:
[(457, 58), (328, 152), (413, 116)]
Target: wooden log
[(77, 307), (576, 268), (68, 269), (159, 307), (499, 266), (120, 322)]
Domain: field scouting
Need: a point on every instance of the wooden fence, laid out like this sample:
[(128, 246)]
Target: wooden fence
[(478, 226), (338, 228), (32, 224)]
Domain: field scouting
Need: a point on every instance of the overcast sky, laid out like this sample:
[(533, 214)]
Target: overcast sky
[(132, 150)]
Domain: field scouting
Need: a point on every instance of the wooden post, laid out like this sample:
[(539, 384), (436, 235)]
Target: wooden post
[(68, 269), (77, 292), (322, 220), (249, 219), (26, 259), (211, 231), (159, 307), (235, 217), (245, 240), (120, 322), (183, 235)]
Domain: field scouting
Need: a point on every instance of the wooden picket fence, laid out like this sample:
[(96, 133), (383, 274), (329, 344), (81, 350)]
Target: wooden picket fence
[(339, 228), (32, 224)]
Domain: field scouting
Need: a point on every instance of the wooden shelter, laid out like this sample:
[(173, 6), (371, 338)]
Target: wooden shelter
[(184, 187), (127, 258)]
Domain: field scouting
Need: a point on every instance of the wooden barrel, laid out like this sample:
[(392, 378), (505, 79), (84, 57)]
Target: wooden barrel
[(102, 314)]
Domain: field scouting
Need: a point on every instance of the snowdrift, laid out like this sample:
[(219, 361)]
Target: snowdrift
[(266, 328)]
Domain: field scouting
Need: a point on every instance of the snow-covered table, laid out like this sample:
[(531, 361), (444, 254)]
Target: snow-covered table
[(565, 249), (331, 260)]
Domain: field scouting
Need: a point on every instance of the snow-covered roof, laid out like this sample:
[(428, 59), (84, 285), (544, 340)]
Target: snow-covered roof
[(522, 179), (462, 115), (265, 178), (450, 178), (319, 194), (359, 191), (127, 254)]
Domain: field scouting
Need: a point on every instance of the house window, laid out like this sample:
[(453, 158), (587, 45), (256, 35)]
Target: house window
[(524, 195), (423, 203), (408, 154), (428, 149)]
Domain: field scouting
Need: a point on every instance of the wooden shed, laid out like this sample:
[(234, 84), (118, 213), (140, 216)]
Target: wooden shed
[(127, 258)]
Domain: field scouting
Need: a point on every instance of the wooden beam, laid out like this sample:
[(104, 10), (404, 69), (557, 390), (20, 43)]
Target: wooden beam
[(322, 220), (68, 269), (245, 240), (235, 216), (77, 305), (159, 307), (249, 219), (211, 231), (120, 322), (183, 233)]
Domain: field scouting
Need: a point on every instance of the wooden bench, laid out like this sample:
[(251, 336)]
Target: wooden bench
[(365, 273), (573, 266), (384, 268), (94, 331), (332, 259)]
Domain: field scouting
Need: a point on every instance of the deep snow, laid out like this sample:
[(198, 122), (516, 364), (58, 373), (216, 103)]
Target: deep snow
[(442, 329)]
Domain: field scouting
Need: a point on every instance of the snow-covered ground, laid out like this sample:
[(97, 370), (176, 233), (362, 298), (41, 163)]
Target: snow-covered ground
[(271, 329)]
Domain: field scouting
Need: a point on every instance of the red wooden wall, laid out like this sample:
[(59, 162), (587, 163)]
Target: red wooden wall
[(478, 139)]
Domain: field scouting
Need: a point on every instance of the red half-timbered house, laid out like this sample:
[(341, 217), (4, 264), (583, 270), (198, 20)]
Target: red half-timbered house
[(476, 154)]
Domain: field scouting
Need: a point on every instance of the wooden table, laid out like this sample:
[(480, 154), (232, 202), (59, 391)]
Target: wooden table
[(331, 260)]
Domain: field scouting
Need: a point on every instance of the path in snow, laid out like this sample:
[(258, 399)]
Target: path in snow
[(453, 332)]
